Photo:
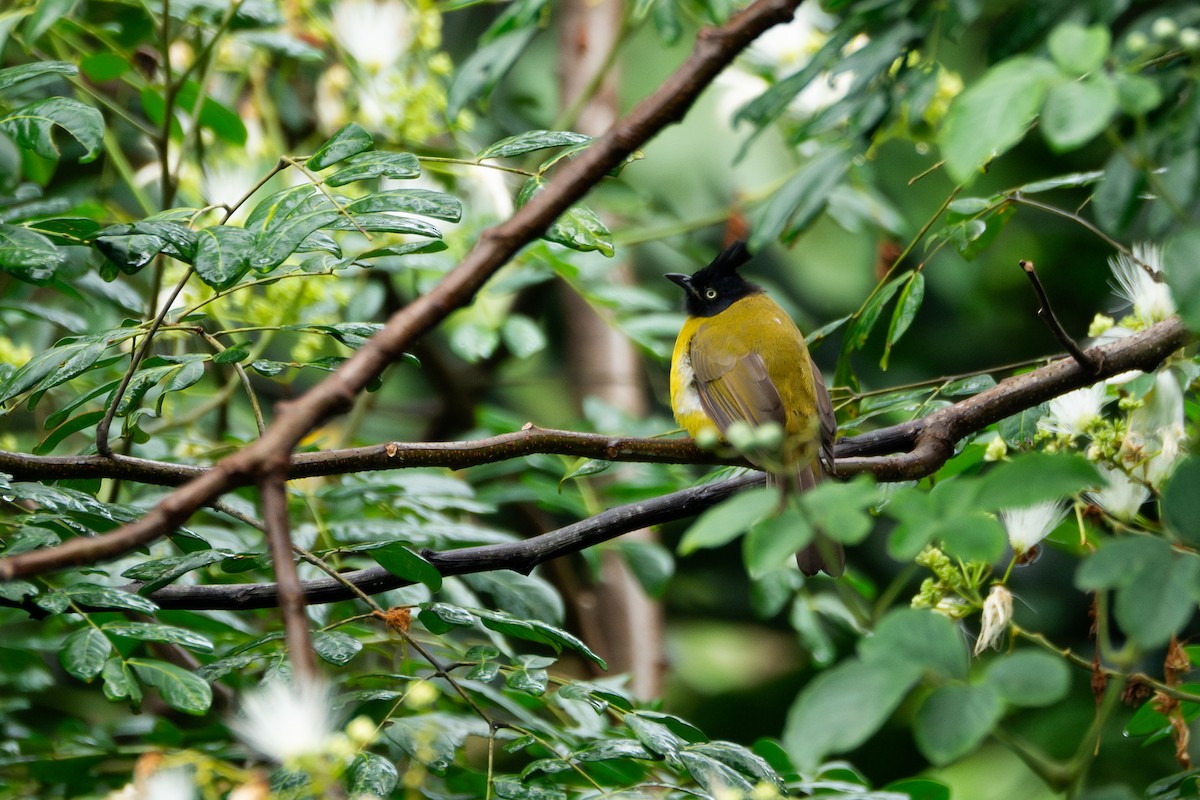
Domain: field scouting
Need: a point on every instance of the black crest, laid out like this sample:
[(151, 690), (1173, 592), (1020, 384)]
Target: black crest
[(713, 289)]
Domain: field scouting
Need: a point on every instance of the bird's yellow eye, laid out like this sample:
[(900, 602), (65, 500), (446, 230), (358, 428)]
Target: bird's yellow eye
[(710, 294)]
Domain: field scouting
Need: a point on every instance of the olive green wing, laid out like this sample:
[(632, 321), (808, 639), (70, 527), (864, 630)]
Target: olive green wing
[(826, 418), (733, 385)]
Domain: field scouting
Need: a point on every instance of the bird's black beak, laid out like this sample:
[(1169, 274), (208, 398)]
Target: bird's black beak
[(685, 281)]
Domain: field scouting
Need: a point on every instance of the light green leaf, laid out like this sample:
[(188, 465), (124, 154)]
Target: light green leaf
[(1075, 113), (993, 114), (1181, 502), (906, 311), (376, 164), (351, 140), (1079, 50), (374, 775), (1034, 478), (180, 689), (522, 336), (728, 519), (774, 540), (14, 75), (84, 652), (424, 202), (918, 637), (954, 720), (484, 68), (840, 708), (1030, 678), (28, 255), (32, 126)]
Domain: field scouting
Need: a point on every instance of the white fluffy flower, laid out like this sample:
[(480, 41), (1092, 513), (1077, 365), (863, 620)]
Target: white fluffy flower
[(1143, 286), (376, 33), (1072, 413), (1122, 497), (286, 721), (997, 613), (1029, 525), (1152, 444)]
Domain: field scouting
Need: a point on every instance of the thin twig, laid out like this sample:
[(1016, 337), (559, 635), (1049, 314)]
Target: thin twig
[(1046, 312), (291, 593)]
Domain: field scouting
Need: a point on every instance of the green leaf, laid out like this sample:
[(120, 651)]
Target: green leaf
[(993, 114), (918, 637), (1075, 113), (73, 425), (14, 75), (650, 562), (84, 652), (371, 774), (119, 682), (103, 67), (434, 739), (404, 563), (438, 618), (89, 594), (351, 140), (484, 68), (156, 632), (840, 708), (713, 776), (954, 720), (376, 164), (655, 736), (32, 127), (336, 647), (1033, 478), (772, 541), (741, 759), (161, 571), (1030, 678), (725, 521), (580, 229), (1079, 50), (223, 255), (224, 122), (425, 202), (512, 789), (906, 311), (607, 749), (522, 336), (1181, 263), (1181, 502), (1018, 430), (919, 789), (974, 536), (1137, 95), (28, 255), (180, 689), (857, 335), (530, 141), (529, 680), (793, 208)]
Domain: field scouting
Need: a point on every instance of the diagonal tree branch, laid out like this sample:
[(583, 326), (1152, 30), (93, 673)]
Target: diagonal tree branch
[(715, 48)]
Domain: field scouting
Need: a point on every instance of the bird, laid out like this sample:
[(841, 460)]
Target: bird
[(739, 357)]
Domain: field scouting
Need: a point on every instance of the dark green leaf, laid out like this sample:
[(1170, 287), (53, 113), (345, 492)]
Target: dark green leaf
[(441, 617), (223, 255), (404, 563), (162, 571), (906, 311), (955, 719), (351, 140), (433, 739), (180, 689), (32, 126), (840, 708), (89, 594), (1181, 263), (801, 199), (154, 632), (73, 425), (14, 75), (773, 540), (857, 335), (376, 165), (530, 141), (511, 789), (919, 789), (336, 647), (655, 736), (714, 776), (84, 652), (224, 122), (374, 775), (425, 202), (1181, 502), (28, 255), (1030, 678), (1019, 429), (650, 562), (484, 68)]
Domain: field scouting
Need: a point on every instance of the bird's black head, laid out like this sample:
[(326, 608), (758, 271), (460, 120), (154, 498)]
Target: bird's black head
[(716, 287)]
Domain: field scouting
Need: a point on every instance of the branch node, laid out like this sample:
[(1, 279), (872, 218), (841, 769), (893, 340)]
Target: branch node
[(1046, 312)]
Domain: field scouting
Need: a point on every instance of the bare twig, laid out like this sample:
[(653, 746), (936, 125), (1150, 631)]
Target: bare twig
[(1046, 312), (273, 489), (715, 48)]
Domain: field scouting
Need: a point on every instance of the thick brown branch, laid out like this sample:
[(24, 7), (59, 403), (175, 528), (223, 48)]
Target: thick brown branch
[(714, 49), (929, 442)]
